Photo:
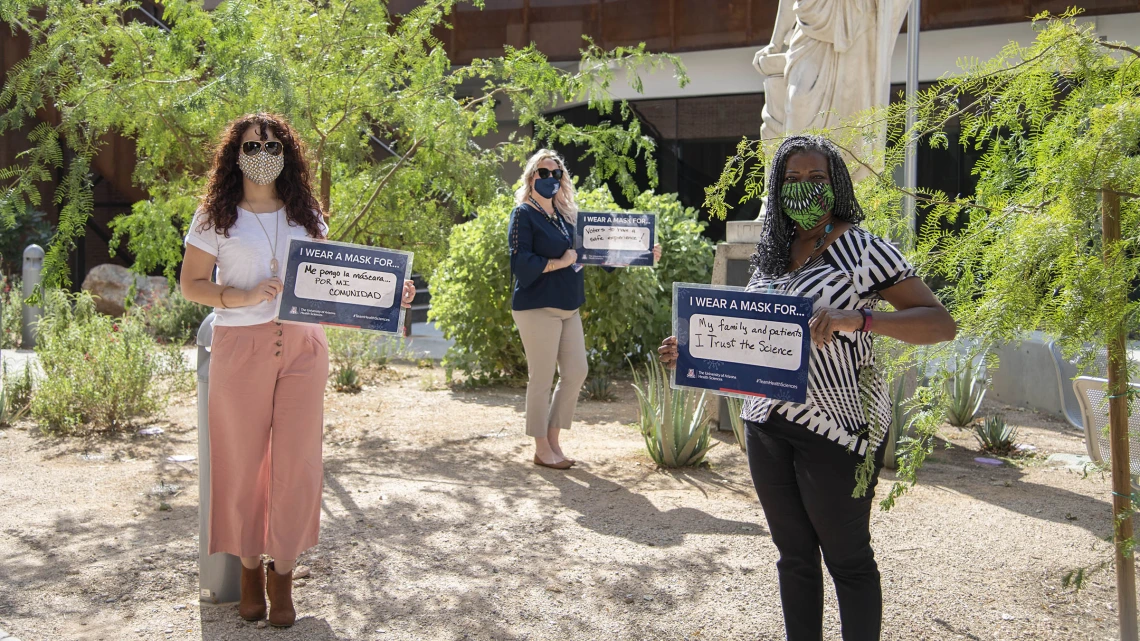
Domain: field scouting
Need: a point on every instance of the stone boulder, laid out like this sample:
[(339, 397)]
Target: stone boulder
[(109, 283)]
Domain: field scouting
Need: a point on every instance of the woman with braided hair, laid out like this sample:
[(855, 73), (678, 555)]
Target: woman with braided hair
[(803, 457)]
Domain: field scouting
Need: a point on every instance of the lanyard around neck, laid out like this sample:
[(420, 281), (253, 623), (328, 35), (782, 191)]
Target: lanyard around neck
[(559, 223)]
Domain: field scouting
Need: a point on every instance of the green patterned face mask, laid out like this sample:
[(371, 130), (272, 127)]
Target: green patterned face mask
[(806, 202)]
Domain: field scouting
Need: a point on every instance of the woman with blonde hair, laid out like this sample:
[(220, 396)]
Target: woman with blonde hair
[(548, 289)]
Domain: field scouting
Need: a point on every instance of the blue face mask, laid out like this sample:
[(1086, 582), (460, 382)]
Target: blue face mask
[(547, 187)]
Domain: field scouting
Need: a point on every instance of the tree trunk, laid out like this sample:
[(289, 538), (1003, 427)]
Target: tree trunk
[(1118, 435)]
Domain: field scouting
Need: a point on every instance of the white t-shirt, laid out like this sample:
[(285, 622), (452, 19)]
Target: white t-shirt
[(243, 258)]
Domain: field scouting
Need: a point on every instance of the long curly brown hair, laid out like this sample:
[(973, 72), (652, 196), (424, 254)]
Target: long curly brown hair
[(294, 187)]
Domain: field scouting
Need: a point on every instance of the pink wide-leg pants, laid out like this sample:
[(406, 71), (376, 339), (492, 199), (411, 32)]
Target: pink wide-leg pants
[(267, 387)]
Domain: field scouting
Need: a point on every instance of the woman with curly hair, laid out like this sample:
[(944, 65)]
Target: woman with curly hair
[(803, 457), (267, 379)]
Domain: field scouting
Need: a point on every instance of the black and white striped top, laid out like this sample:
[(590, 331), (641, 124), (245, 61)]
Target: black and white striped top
[(849, 274)]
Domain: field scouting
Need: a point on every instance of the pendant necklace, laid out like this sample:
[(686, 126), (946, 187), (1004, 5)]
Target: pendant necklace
[(818, 243), (272, 243), (557, 223)]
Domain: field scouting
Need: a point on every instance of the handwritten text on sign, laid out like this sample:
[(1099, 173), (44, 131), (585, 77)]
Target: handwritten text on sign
[(345, 285), (746, 341), (618, 238)]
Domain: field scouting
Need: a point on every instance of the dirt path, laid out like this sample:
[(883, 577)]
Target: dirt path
[(436, 526)]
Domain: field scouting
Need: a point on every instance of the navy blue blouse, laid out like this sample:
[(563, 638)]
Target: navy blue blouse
[(535, 240)]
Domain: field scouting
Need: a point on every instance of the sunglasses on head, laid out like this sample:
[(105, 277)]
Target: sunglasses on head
[(253, 147), (543, 172)]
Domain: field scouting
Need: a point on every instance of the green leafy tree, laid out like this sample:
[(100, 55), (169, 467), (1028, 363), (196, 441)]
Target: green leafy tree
[(391, 125), (471, 289)]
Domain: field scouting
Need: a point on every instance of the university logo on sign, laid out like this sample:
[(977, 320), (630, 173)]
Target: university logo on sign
[(292, 310), (692, 373)]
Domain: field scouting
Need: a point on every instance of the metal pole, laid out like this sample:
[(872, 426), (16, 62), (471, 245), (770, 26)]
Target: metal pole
[(1118, 435), (910, 162), (33, 268), (219, 575)]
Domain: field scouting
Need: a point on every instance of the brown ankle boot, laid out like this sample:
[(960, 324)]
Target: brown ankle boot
[(252, 606), (279, 587)]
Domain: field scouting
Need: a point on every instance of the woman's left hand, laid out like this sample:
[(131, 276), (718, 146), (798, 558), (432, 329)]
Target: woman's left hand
[(656, 253), (828, 320), (409, 294)]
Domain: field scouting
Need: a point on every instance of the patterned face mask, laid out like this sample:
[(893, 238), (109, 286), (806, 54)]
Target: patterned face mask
[(261, 168), (806, 202)]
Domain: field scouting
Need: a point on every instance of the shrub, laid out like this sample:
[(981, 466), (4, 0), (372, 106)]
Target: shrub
[(99, 372), (15, 394), (11, 311), (996, 436), (353, 352), (626, 313), (174, 319), (674, 422)]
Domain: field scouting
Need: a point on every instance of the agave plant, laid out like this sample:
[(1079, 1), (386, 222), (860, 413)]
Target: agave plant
[(965, 389), (996, 436), (599, 388), (674, 422), (897, 430), (347, 380), (735, 406)]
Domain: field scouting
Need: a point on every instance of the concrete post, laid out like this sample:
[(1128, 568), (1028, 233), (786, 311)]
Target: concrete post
[(33, 267), (219, 575)]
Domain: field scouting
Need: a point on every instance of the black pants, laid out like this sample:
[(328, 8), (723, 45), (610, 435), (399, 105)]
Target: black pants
[(804, 482)]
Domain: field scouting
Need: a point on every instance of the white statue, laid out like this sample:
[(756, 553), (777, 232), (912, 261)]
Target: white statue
[(828, 59)]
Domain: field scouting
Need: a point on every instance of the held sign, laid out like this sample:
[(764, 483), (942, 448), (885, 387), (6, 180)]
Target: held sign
[(345, 285), (739, 343), (615, 239)]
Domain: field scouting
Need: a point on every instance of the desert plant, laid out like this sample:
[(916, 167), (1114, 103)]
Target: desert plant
[(98, 372), (174, 319), (674, 422), (599, 388), (965, 389), (899, 424), (346, 379), (995, 436), (735, 407), (15, 395), (11, 311)]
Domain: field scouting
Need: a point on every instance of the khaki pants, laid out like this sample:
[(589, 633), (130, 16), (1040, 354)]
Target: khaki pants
[(552, 337)]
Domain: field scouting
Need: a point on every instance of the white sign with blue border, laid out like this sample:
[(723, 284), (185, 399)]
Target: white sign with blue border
[(615, 239), (345, 285), (738, 343)]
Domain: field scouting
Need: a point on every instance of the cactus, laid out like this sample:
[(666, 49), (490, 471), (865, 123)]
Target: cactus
[(674, 422)]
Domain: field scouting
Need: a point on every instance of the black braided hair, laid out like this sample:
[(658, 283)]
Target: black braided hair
[(773, 252)]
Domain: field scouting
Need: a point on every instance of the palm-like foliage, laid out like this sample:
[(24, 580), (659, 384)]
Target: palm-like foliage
[(674, 422)]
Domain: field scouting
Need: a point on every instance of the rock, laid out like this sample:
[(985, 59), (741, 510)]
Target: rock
[(301, 572), (262, 624), (110, 283)]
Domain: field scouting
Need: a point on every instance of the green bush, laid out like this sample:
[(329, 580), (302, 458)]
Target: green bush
[(99, 372), (626, 314), (11, 312), (174, 319)]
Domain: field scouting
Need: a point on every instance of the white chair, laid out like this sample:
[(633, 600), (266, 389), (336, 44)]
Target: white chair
[(1092, 397)]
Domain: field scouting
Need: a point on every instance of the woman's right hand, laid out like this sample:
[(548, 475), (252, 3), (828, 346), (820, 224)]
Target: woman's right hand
[(569, 257), (266, 290), (668, 351)]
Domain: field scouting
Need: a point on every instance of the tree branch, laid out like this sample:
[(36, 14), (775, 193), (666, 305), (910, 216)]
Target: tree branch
[(376, 192)]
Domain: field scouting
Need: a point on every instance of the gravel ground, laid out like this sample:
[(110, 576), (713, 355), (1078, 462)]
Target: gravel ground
[(437, 526)]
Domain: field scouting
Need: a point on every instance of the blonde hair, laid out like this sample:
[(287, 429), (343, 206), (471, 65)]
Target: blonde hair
[(563, 200)]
